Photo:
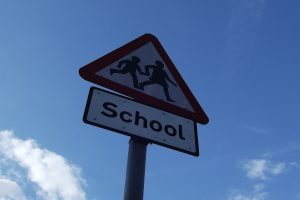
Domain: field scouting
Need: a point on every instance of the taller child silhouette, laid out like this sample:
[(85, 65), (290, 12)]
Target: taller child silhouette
[(159, 76)]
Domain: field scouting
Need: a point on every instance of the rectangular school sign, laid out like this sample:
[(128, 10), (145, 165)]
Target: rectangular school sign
[(126, 116)]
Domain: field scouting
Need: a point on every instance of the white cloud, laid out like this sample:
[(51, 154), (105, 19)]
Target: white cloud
[(54, 177), (257, 193), (244, 23), (10, 190), (262, 168)]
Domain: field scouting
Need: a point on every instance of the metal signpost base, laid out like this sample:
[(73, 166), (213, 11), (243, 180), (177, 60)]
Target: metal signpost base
[(135, 174)]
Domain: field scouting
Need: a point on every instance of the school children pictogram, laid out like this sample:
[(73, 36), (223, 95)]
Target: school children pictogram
[(158, 74), (145, 71)]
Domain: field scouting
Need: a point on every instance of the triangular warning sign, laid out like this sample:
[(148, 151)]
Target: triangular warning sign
[(142, 70)]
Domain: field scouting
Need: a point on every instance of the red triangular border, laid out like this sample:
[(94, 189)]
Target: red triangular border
[(88, 73)]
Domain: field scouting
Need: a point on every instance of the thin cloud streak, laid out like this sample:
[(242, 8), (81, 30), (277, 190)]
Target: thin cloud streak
[(244, 22), (259, 130), (287, 149), (54, 177)]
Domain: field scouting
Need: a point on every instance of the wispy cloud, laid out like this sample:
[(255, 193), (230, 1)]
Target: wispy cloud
[(243, 26), (54, 177), (262, 168), (259, 130), (290, 148), (257, 193)]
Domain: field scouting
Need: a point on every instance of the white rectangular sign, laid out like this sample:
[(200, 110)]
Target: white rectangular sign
[(126, 116)]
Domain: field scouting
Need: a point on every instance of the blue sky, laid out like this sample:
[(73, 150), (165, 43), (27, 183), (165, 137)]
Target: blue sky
[(239, 58)]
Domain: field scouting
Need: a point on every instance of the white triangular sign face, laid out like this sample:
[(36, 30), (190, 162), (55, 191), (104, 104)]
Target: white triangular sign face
[(158, 82), (141, 69)]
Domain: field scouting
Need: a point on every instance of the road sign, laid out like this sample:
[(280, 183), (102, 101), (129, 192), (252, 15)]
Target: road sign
[(142, 69), (126, 116)]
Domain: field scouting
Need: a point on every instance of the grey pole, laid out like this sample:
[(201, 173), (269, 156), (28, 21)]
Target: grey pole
[(135, 174)]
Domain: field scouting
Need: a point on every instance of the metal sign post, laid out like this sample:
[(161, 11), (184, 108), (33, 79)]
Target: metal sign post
[(135, 174)]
